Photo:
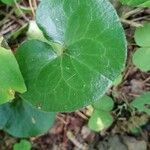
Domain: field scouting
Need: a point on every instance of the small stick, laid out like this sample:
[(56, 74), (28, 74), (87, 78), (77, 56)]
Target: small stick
[(23, 15), (82, 115), (32, 9), (62, 120), (72, 138), (146, 80), (132, 12), (131, 23)]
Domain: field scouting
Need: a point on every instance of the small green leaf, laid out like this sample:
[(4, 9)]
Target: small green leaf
[(105, 103), (100, 120), (141, 58), (142, 103), (142, 35), (142, 55), (79, 64), (140, 3), (23, 145), (20, 119), (11, 80)]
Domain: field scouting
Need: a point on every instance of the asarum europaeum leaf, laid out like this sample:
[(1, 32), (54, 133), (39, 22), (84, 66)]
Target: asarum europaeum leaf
[(11, 80), (20, 119), (139, 3), (86, 52)]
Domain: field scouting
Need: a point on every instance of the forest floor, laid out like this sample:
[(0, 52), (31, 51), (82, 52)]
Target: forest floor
[(70, 130)]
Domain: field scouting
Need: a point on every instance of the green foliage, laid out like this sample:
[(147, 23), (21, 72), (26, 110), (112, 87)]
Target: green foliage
[(142, 103), (20, 119), (139, 3), (101, 117), (11, 80), (23, 145), (142, 55), (79, 63), (9, 2), (82, 52)]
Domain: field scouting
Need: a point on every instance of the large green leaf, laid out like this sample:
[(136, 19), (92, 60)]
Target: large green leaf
[(142, 103), (85, 53), (11, 80), (142, 55), (20, 119), (142, 3)]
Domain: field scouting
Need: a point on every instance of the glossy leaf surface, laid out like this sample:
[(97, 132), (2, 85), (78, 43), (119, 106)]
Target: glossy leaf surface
[(20, 119), (85, 53), (11, 80)]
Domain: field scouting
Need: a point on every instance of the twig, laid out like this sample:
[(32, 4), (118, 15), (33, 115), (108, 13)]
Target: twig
[(12, 17), (21, 12), (146, 80), (141, 18), (131, 23), (32, 8), (35, 4), (132, 12), (82, 115), (72, 138), (6, 17), (62, 120)]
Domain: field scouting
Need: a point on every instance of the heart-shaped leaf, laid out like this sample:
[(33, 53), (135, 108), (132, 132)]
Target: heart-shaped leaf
[(142, 3), (85, 53), (11, 80), (20, 119)]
